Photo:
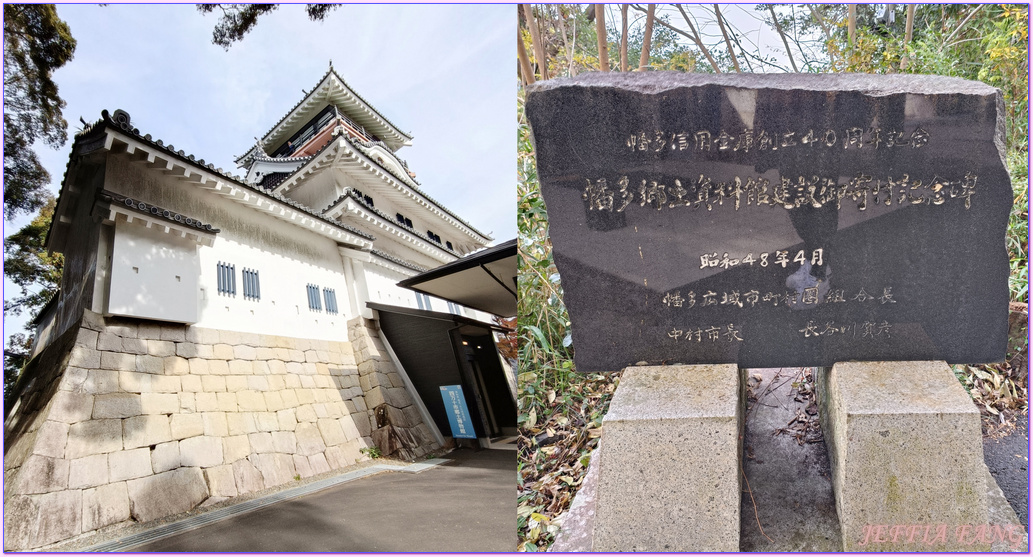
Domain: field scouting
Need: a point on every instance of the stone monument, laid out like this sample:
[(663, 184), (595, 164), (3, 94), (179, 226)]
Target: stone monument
[(780, 220)]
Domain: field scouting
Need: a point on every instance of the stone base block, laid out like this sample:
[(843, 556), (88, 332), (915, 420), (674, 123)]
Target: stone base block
[(669, 461), (905, 447)]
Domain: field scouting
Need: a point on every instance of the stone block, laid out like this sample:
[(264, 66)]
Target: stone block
[(362, 423), (84, 357), (117, 361), (73, 379), (340, 457), (247, 477), (241, 367), (286, 419), (252, 339), (150, 364), (305, 395), (176, 365), (110, 342), (295, 355), (250, 401), (187, 403), (175, 333), (87, 338), (290, 398), (235, 447), (257, 383), (241, 423), (277, 469), (159, 403), (149, 331), (100, 381), (351, 431), (42, 474), (134, 346), (669, 461), (218, 367), (244, 352), (132, 382), (205, 351), (293, 381), (183, 426), (284, 442), (273, 401), (303, 467), (198, 366), (166, 494), (320, 409), (397, 397), (117, 405), (215, 424), (261, 442), (104, 505), (295, 368), (213, 383), (236, 383), (310, 441), (126, 465), (331, 431), (203, 451), (375, 397), (186, 350), (305, 413), (161, 348), (51, 439), (277, 367), (165, 456), (69, 408), (206, 402), (220, 481), (261, 367), (88, 471), (192, 383), (265, 353), (905, 447), (318, 463), (223, 351), (34, 521), (267, 421), (144, 431), (94, 437)]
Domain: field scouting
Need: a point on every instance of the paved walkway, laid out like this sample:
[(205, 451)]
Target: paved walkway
[(463, 505)]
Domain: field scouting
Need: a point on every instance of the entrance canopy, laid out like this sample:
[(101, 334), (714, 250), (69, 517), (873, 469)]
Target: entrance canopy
[(485, 280)]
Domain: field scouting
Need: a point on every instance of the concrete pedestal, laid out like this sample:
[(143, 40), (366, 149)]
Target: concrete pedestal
[(905, 447), (669, 461)]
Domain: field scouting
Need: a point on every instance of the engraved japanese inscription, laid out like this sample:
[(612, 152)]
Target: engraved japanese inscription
[(775, 220)]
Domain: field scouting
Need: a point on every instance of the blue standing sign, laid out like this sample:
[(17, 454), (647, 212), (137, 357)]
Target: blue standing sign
[(458, 413)]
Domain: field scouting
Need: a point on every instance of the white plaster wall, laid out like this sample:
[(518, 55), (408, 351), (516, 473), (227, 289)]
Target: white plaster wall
[(382, 282), (286, 257), (154, 275)]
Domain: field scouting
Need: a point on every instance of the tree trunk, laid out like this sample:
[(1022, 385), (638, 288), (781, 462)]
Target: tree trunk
[(778, 27), (600, 31), (647, 38), (695, 38), (568, 50), (908, 31), (851, 23), (728, 42), (525, 63), (624, 37), (536, 42)]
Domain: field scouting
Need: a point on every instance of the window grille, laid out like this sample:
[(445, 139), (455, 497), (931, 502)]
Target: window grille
[(449, 246), (226, 278), (423, 301), (331, 300), (314, 303), (252, 291)]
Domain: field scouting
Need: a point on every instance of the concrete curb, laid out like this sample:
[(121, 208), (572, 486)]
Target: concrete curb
[(204, 519)]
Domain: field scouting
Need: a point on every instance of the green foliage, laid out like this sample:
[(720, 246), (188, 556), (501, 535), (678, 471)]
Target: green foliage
[(372, 452), (36, 42), (28, 265), (239, 19)]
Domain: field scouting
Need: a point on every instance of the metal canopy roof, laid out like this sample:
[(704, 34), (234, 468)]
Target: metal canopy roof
[(485, 280)]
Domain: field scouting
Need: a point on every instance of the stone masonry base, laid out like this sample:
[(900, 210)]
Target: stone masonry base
[(131, 420)]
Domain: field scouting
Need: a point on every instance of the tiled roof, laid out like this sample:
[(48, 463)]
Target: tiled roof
[(355, 195), (401, 262), (120, 121), (353, 92)]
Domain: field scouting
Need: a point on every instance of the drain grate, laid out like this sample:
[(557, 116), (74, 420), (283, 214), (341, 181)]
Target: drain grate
[(214, 516)]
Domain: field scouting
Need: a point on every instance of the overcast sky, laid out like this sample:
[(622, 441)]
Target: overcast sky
[(445, 74)]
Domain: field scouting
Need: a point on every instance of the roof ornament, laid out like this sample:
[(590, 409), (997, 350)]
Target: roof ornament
[(259, 150)]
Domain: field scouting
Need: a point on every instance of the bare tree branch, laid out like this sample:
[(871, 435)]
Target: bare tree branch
[(778, 27), (731, 51), (694, 37)]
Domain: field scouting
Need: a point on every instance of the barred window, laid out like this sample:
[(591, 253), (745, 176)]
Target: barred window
[(331, 300), (423, 301), (313, 298), (227, 278), (252, 291)]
